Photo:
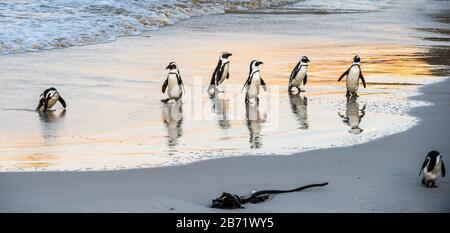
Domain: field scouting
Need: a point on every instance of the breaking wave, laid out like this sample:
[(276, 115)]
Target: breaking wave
[(34, 25)]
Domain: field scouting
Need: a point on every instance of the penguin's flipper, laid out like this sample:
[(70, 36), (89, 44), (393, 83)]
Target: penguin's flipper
[(423, 165), (294, 72), (263, 84), (305, 79), (180, 83), (345, 73), (41, 102), (249, 79), (164, 86), (45, 106), (362, 78), (62, 101), (443, 169)]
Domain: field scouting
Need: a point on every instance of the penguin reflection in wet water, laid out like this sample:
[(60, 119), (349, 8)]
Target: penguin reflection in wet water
[(220, 107), (298, 76), (299, 106), (254, 82), (353, 115), (48, 99), (221, 73), (173, 84), (432, 167), (172, 115), (354, 74), (254, 121)]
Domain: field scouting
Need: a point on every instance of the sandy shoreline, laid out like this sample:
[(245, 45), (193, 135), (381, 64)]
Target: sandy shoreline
[(379, 176)]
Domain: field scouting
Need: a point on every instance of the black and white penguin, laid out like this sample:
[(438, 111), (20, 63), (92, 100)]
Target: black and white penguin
[(221, 73), (353, 73), (254, 82), (353, 115), (48, 99), (173, 84), (432, 167), (298, 75)]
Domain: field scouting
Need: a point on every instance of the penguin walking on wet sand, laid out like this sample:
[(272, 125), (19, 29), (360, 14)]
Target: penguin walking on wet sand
[(254, 82), (221, 73), (298, 75), (48, 99), (353, 73), (432, 167), (173, 84)]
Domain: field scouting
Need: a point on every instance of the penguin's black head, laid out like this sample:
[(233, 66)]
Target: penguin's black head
[(305, 59), (257, 63), (171, 66), (225, 55), (356, 59), (433, 154)]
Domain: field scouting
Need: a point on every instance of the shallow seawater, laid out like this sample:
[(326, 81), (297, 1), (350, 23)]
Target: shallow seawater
[(115, 119)]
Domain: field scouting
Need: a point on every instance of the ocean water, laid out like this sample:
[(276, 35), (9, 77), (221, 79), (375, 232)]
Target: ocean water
[(115, 119), (48, 24)]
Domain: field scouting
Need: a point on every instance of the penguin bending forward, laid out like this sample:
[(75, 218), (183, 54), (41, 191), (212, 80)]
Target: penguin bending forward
[(353, 73), (254, 82), (221, 73), (48, 99), (173, 84), (298, 76), (432, 167)]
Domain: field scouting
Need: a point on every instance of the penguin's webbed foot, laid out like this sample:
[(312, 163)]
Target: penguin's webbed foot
[(348, 94)]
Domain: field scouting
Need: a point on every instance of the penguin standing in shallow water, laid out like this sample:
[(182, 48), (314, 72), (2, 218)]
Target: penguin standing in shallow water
[(48, 99), (173, 84), (432, 167), (254, 82), (221, 73), (298, 75), (353, 73)]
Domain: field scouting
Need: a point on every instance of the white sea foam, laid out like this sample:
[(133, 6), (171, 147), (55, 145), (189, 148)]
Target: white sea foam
[(27, 25)]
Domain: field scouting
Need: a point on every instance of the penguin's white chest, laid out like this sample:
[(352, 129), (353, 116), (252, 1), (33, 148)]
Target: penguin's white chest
[(226, 69), (433, 174), (352, 81), (298, 80), (253, 90), (174, 90), (51, 102)]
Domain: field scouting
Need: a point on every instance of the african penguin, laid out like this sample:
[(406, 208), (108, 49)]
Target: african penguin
[(221, 73), (353, 73), (432, 167), (48, 99), (254, 82), (298, 75), (173, 84)]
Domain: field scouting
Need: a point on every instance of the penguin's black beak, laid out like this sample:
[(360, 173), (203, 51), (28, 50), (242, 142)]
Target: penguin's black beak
[(259, 63), (168, 67)]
